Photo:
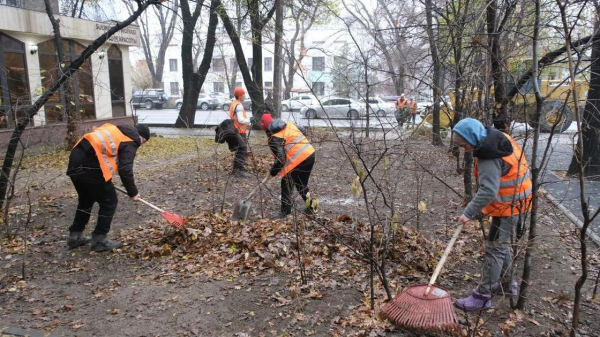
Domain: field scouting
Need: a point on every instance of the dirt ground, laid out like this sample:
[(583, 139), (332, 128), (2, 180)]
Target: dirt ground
[(221, 277)]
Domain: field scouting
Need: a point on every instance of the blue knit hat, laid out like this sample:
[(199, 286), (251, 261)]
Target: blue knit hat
[(471, 130)]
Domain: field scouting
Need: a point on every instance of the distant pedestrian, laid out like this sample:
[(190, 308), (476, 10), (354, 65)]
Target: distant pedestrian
[(240, 119), (269, 103), (94, 160), (412, 112), (401, 110)]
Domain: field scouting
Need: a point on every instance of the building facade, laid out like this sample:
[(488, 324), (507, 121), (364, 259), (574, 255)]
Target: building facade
[(101, 89)]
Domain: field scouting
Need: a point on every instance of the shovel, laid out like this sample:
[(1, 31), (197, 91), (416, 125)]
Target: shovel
[(242, 208), (174, 219)]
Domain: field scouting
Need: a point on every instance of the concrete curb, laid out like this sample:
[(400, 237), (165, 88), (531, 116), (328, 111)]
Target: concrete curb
[(595, 238)]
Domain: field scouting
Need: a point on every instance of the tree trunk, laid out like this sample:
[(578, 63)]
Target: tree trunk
[(193, 81), (437, 78), (501, 119), (277, 71), (66, 74), (591, 122)]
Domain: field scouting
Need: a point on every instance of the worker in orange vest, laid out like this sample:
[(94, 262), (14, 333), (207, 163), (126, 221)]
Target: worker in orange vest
[(401, 110), (504, 194), (240, 119), (412, 110), (294, 160), (93, 162)]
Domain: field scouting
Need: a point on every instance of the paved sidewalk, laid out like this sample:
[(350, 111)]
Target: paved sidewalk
[(564, 192)]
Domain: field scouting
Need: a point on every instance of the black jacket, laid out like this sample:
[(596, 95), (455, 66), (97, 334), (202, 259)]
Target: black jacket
[(277, 144), (494, 145), (84, 165)]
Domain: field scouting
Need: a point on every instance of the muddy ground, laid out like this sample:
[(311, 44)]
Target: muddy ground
[(221, 277)]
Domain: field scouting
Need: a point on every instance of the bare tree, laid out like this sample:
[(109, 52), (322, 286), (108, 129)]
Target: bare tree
[(437, 76), (166, 17)]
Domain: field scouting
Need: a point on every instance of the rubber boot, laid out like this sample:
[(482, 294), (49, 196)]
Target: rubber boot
[(240, 173), (477, 301), (498, 290), (100, 243), (308, 211), (77, 239)]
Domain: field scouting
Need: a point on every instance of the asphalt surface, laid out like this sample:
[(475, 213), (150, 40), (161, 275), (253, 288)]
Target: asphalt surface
[(560, 149)]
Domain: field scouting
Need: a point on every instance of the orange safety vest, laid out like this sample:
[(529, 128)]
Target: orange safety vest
[(401, 103), (106, 140), (413, 107), (242, 128), (297, 147), (514, 195)]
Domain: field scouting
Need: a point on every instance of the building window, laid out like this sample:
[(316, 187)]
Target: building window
[(318, 64), (218, 64), (238, 84), (250, 62), (13, 3), (14, 84), (269, 84), (233, 64), (268, 64), (78, 94), (319, 88), (218, 87), (173, 64), (117, 87), (175, 88)]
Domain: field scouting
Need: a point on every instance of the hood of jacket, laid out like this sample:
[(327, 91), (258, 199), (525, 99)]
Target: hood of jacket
[(276, 126), (131, 132), (494, 145)]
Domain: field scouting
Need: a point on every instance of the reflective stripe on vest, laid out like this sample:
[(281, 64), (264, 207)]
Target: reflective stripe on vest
[(106, 140), (297, 148), (241, 128), (514, 194)]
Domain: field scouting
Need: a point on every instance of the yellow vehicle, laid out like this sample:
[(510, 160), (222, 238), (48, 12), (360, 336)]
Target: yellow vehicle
[(557, 109)]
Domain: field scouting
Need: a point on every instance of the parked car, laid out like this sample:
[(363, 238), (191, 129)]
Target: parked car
[(149, 98), (205, 102), (335, 107), (247, 104), (379, 107), (297, 102)]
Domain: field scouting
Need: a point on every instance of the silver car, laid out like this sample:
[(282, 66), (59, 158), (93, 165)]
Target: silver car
[(379, 107), (335, 107), (204, 102)]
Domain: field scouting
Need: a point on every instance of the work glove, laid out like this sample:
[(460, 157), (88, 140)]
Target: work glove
[(252, 120), (273, 172)]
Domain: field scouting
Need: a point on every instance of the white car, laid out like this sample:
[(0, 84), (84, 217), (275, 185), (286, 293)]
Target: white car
[(297, 102), (335, 107), (379, 107)]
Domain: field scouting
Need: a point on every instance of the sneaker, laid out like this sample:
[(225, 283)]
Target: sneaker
[(279, 216), (477, 301), (240, 173), (77, 239), (101, 244)]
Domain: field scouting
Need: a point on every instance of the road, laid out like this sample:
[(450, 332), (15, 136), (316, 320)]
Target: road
[(167, 117)]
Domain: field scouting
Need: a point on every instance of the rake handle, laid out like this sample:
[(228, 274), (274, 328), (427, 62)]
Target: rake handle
[(257, 186), (440, 264), (142, 200)]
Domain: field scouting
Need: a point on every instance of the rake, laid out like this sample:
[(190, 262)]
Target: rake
[(174, 219), (425, 307), (241, 210)]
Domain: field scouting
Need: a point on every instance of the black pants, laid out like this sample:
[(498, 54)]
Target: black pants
[(297, 177), (89, 193), (238, 143)]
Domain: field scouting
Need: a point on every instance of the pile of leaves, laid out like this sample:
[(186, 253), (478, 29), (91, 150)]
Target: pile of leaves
[(215, 245), (256, 164)]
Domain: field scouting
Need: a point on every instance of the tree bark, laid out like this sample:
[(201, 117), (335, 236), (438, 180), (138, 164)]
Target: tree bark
[(591, 122), (278, 66), (437, 78), (193, 80), (66, 74)]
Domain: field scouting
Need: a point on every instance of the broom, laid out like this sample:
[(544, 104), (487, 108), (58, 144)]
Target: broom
[(425, 307)]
